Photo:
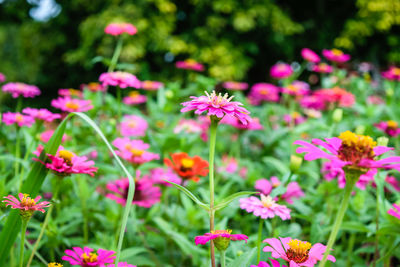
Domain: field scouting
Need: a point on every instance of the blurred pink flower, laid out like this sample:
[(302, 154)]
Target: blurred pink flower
[(120, 79), (335, 96), (221, 238), (18, 89), (281, 71), (310, 55), (93, 87), (70, 92), (188, 126), (312, 102), (41, 114), (293, 189), (392, 74), (87, 258), (336, 55), (120, 28), (395, 211), (21, 120), (229, 165), (217, 105), (252, 124), (133, 125), (235, 86), (26, 204), (72, 104), (2, 77), (265, 207), (263, 92), (190, 64), (391, 128), (375, 100), (322, 68), (134, 151), (151, 85), (46, 135), (134, 98), (297, 88), (274, 263), (294, 118), (159, 175)]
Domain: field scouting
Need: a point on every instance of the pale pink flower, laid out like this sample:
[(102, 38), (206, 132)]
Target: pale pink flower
[(229, 165), (395, 211), (17, 118), (265, 207), (25, 203), (133, 125), (391, 128), (86, 257), (120, 28), (120, 79), (375, 100), (281, 71), (151, 85), (2, 78), (297, 88), (72, 104), (263, 92), (188, 126), (217, 105), (70, 93), (134, 151), (253, 124), (18, 89), (336, 55), (322, 68), (235, 86), (310, 55), (46, 135), (190, 64), (294, 118), (161, 175), (296, 252), (41, 114), (134, 98)]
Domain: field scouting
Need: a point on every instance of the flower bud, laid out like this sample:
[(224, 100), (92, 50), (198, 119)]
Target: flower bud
[(382, 141), (169, 94), (295, 163), (337, 115), (222, 243), (390, 92)]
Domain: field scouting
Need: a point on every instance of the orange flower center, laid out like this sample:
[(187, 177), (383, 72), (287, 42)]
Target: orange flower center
[(191, 62), (392, 124), (293, 88), (267, 201), (187, 163), (92, 257), (94, 86), (136, 152), (221, 231), (263, 92), (396, 71), (27, 201), (19, 118), (356, 147), (66, 156), (147, 84), (295, 115), (298, 250), (74, 92), (337, 52), (134, 94), (72, 105), (132, 124)]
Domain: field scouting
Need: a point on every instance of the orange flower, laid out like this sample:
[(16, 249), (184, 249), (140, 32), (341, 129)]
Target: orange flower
[(188, 167)]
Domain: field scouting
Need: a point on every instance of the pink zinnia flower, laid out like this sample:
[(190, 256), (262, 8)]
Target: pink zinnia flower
[(253, 124), (41, 114), (93, 87), (146, 194), (391, 128), (265, 207), (25, 204), (120, 28), (235, 86), (274, 263), (296, 252), (310, 55), (392, 74), (312, 102), (336, 96), (151, 85), (263, 92), (2, 77), (229, 165), (322, 68), (395, 211), (190, 64), (294, 118), (161, 175), (188, 126), (70, 92), (134, 98), (72, 104), (65, 163), (46, 135), (134, 151), (293, 189), (281, 71), (297, 88), (120, 79), (86, 257), (375, 100), (21, 120), (336, 55), (18, 89), (217, 105), (221, 238), (133, 125)]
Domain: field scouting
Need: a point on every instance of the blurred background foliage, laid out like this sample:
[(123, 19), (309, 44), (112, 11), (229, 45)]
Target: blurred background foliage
[(61, 43)]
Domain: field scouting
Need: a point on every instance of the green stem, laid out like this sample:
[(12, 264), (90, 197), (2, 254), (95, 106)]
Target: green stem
[(119, 101), (83, 197), (260, 228), (376, 229), (350, 182), (19, 104), (222, 253), (350, 247), (17, 154), (213, 137), (117, 53), (21, 251)]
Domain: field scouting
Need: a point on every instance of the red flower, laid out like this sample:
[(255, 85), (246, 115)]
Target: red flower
[(187, 167)]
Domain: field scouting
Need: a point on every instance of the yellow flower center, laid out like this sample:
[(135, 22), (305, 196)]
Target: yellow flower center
[(19, 118), (190, 62), (54, 264), (221, 231), (74, 92), (293, 88), (92, 257), (263, 92), (356, 147), (27, 201), (267, 201), (72, 105), (136, 152), (66, 156), (218, 100), (134, 94), (187, 163), (295, 115), (396, 71), (392, 124), (132, 124), (94, 86), (298, 250), (147, 84), (336, 52)]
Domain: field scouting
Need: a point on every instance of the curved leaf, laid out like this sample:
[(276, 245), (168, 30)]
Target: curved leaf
[(190, 194), (225, 202)]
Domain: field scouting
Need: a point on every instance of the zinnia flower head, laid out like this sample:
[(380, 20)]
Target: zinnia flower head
[(120, 79), (133, 125), (21, 120), (188, 168), (26, 204), (190, 64), (263, 92), (217, 106), (151, 85), (70, 92), (390, 127), (296, 252), (312, 102), (293, 190), (322, 68), (335, 96), (188, 126), (86, 257), (281, 71), (392, 74), (294, 118), (265, 207), (221, 238), (297, 88), (120, 28), (336, 55), (134, 151), (161, 175), (134, 98), (395, 212), (310, 55), (41, 114), (21, 89), (72, 104), (252, 124), (229, 165), (235, 86)]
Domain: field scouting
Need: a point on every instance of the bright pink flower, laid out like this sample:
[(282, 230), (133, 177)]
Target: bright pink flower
[(133, 125), (72, 104), (41, 114), (190, 64), (297, 88), (70, 93), (26, 204), (134, 151), (392, 74), (265, 207), (393, 182), (235, 86), (18, 89), (161, 175), (263, 92), (336, 55), (87, 258), (253, 124), (310, 55), (391, 128), (296, 252), (322, 68), (312, 102), (146, 194), (21, 120), (336, 96), (221, 238), (151, 85), (281, 71), (119, 78), (395, 211), (122, 264), (120, 28), (229, 165), (45, 136), (217, 105), (65, 163), (274, 263), (134, 98), (188, 126), (2, 77), (293, 189), (294, 118)]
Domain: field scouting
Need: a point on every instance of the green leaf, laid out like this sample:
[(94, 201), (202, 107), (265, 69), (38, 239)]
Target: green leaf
[(354, 226), (225, 202), (244, 259), (279, 165), (190, 194)]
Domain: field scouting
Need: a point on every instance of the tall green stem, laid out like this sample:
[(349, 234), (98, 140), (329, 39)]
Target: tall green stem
[(17, 153), (222, 253), (117, 53), (119, 101), (213, 137), (350, 182), (260, 228), (83, 197), (21, 250)]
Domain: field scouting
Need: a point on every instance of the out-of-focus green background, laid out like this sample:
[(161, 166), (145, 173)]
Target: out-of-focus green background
[(61, 43)]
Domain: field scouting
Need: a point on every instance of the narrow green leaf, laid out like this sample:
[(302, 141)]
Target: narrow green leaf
[(277, 164), (225, 202), (190, 194), (244, 259)]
